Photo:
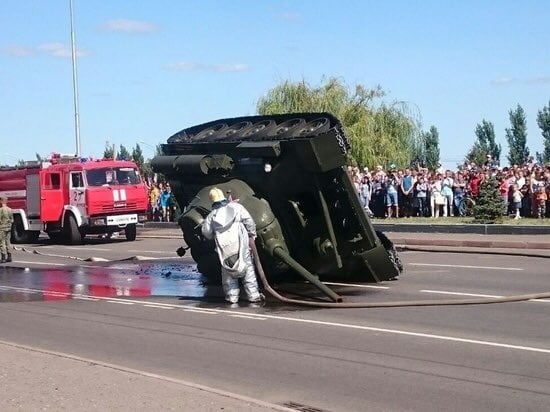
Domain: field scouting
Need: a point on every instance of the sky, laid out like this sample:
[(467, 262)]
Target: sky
[(147, 69)]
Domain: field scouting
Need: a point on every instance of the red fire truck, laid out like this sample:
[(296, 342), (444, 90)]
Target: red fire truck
[(69, 198)]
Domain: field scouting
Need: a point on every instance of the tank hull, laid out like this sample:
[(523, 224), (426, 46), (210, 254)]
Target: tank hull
[(289, 172)]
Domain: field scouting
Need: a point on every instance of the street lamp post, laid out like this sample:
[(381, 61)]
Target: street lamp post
[(75, 83), (150, 146)]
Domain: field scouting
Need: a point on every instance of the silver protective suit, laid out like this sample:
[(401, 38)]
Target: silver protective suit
[(223, 217)]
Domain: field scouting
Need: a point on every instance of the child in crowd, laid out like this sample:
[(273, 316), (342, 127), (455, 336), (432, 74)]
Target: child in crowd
[(422, 188), (516, 199)]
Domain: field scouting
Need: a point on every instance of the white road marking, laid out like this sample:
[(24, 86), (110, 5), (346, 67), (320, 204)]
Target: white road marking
[(35, 262), (41, 263), (464, 266), (247, 317), (87, 248), (442, 292), (356, 285), (336, 325), (85, 298), (157, 306), (152, 251), (121, 302), (208, 312)]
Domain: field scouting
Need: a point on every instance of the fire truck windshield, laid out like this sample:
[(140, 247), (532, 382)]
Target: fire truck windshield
[(107, 176)]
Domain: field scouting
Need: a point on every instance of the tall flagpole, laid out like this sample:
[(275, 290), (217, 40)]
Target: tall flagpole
[(75, 84)]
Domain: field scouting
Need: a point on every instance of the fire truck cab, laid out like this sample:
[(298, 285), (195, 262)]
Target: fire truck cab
[(69, 198)]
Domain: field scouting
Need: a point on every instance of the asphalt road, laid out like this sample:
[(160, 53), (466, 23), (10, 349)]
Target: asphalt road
[(157, 317)]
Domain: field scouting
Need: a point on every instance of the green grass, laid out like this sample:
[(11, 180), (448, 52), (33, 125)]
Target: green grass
[(524, 221)]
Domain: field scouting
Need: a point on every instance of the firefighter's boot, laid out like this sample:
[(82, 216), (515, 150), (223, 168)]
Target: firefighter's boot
[(8, 259), (3, 260)]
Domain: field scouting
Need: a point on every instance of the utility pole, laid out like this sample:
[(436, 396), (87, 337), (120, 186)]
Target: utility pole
[(75, 83)]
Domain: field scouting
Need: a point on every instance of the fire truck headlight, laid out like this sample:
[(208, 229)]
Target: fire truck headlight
[(100, 221)]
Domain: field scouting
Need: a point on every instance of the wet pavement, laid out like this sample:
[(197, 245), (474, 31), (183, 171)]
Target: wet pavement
[(131, 279), (121, 279)]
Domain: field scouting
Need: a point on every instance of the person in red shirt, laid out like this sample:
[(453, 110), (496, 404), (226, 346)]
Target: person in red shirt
[(474, 184), (503, 188)]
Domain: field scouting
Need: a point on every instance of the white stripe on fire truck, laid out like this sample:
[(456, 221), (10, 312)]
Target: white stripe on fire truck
[(13, 193), (122, 194), (115, 195)]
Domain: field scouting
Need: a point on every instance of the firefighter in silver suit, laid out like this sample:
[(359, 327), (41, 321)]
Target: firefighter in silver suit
[(232, 228)]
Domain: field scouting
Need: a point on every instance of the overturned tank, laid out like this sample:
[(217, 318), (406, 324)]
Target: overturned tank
[(289, 172)]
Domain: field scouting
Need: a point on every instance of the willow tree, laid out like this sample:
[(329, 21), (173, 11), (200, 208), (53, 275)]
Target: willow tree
[(380, 133)]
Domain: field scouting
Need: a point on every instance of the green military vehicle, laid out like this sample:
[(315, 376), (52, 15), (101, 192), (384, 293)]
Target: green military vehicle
[(289, 171)]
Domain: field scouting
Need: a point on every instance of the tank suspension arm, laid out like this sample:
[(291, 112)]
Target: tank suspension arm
[(285, 257), (330, 228)]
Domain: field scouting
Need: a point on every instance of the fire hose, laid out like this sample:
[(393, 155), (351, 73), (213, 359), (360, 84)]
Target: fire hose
[(388, 304)]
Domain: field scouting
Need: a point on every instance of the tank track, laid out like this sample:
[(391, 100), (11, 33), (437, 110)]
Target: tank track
[(263, 128)]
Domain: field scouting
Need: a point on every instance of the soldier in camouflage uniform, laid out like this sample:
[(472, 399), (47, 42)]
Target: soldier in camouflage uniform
[(6, 220)]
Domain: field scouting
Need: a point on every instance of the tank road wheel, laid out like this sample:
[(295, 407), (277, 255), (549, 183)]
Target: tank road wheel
[(392, 253), (72, 232), (18, 232), (130, 231), (286, 129), (233, 132), (258, 130), (314, 127), (209, 132)]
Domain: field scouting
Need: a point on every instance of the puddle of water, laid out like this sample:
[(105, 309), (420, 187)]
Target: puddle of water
[(133, 279), (120, 280)]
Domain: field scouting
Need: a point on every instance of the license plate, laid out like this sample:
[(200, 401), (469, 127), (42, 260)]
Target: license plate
[(122, 219)]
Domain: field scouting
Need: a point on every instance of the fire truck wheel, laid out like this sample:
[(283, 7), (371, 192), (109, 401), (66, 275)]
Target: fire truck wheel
[(18, 232), (33, 235), (130, 232), (55, 236), (72, 233)]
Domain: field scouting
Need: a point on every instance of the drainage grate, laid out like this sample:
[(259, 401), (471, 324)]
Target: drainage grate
[(302, 408)]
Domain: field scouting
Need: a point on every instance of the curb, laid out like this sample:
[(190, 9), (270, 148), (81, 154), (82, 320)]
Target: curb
[(492, 244), (478, 229), (155, 229)]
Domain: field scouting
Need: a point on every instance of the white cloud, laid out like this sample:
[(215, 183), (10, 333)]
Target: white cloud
[(19, 51), (60, 50), (289, 16), (220, 68), (503, 80), (538, 80), (129, 26), (532, 80)]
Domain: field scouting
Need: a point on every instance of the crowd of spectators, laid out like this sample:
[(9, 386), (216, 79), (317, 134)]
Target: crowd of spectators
[(162, 205), (419, 192)]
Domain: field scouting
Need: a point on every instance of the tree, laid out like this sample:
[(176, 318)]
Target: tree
[(543, 120), (425, 151), (489, 206), (379, 133), (109, 152), (432, 148), (517, 137), (123, 154), (137, 156), (485, 144)]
